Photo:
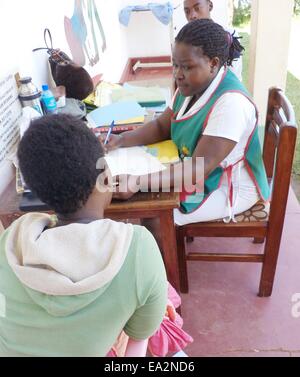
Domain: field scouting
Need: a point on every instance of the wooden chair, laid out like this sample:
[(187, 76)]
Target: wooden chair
[(278, 153)]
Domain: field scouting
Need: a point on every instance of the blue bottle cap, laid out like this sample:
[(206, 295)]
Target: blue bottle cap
[(45, 87)]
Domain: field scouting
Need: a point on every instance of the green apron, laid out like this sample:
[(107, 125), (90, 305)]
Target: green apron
[(187, 132)]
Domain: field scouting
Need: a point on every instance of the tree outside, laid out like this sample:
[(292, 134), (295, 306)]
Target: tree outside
[(242, 12), (297, 7)]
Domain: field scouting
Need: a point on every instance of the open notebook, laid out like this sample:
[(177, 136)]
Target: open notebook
[(132, 161)]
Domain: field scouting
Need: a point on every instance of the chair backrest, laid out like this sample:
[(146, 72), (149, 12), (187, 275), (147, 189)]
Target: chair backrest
[(279, 147)]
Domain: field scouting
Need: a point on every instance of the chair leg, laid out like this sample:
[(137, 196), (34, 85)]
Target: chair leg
[(184, 284), (269, 267), (258, 240)]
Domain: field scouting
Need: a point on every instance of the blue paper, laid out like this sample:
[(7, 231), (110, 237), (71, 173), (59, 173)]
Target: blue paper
[(118, 112)]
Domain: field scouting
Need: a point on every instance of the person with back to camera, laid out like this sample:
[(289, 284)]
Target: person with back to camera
[(73, 282), (199, 9), (212, 116)]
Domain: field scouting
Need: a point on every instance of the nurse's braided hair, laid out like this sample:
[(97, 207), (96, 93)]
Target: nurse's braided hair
[(213, 39)]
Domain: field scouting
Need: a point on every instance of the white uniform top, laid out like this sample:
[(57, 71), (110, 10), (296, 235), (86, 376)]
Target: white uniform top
[(233, 117)]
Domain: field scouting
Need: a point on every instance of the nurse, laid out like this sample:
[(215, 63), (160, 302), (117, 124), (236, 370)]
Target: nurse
[(211, 116)]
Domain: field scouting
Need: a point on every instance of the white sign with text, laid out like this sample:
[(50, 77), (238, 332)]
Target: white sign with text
[(10, 113)]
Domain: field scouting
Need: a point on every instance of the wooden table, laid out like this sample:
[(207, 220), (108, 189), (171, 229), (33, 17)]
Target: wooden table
[(141, 206)]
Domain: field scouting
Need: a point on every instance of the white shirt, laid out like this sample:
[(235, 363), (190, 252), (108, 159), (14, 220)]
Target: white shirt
[(233, 118)]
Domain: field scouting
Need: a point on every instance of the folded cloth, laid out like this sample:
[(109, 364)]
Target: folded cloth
[(169, 338), (163, 12), (124, 15)]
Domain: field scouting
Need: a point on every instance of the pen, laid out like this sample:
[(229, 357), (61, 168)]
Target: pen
[(109, 132)]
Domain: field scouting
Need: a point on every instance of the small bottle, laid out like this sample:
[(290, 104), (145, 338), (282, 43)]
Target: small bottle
[(29, 94), (48, 100)]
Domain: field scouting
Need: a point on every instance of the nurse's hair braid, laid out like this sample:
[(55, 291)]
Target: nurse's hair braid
[(213, 39)]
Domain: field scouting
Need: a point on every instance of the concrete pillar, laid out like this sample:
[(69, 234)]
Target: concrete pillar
[(269, 48)]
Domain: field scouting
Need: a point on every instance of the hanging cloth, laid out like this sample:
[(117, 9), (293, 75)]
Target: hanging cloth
[(163, 12)]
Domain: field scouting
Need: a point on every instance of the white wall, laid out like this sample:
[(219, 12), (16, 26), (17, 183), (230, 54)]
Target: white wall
[(146, 36), (22, 24), (22, 31), (220, 13), (116, 55)]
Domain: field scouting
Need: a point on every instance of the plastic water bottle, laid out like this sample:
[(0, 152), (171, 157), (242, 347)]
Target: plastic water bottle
[(48, 100)]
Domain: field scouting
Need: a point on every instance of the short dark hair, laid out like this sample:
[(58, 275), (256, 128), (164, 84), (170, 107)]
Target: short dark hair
[(213, 39), (58, 157)]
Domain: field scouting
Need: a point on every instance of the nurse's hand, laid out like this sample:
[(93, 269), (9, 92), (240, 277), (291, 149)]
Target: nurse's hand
[(114, 142)]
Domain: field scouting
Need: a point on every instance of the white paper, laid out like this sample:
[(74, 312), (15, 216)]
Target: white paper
[(28, 114), (132, 161)]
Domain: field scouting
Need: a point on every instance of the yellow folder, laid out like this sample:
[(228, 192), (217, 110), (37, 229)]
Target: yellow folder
[(165, 151)]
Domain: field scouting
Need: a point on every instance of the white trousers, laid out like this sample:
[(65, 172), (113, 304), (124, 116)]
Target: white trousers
[(216, 206)]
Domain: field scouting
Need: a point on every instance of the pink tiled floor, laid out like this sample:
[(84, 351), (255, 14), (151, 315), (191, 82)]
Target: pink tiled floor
[(222, 311)]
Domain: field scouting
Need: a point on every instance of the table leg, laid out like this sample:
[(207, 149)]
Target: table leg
[(169, 247)]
